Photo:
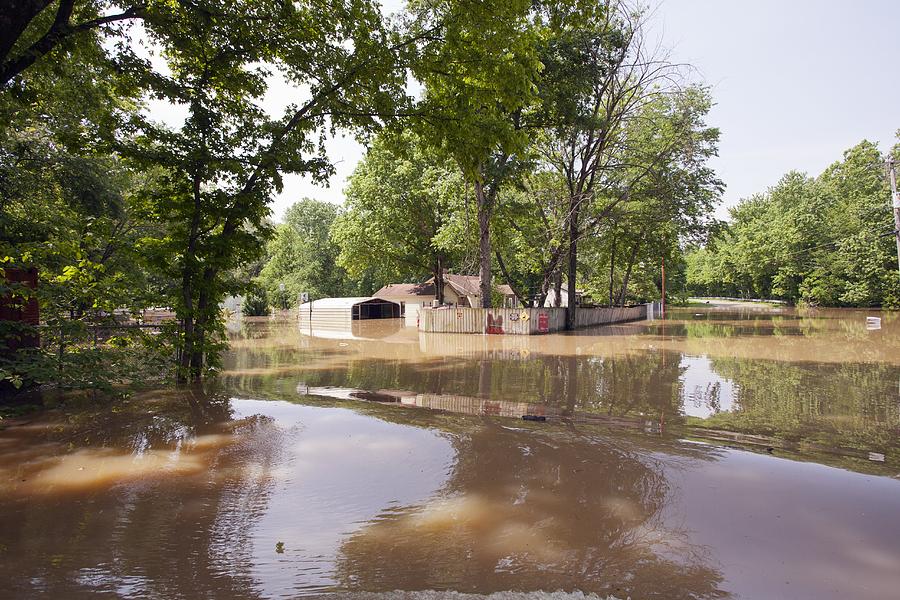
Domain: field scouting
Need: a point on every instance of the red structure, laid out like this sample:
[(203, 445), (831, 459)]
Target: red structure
[(17, 308)]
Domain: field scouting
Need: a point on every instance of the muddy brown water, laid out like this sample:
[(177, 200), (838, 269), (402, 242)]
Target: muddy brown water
[(721, 453)]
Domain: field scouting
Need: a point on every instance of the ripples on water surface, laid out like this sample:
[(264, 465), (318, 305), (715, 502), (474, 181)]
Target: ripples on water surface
[(317, 464)]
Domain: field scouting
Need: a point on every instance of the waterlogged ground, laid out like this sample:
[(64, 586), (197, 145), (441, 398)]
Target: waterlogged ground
[(726, 452)]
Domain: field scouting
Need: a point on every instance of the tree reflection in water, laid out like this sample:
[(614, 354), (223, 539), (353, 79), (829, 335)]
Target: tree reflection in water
[(803, 405), (535, 511), (168, 532)]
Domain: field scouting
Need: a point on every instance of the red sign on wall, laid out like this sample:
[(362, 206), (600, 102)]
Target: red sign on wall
[(543, 322), (494, 323)]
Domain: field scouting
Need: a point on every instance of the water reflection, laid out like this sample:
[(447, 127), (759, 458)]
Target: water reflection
[(227, 495), (738, 376), (88, 504), (705, 391), (535, 511), (103, 503)]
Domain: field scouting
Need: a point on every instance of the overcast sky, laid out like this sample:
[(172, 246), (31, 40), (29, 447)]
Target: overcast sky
[(795, 84)]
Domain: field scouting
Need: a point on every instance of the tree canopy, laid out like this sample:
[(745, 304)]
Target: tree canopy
[(825, 240), (530, 142)]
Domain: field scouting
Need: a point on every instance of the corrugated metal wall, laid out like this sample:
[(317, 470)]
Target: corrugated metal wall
[(326, 318), (586, 317), (520, 321)]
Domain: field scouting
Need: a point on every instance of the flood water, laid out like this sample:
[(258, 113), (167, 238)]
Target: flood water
[(724, 452)]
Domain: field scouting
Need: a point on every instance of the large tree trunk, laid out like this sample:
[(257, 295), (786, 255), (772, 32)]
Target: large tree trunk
[(439, 278), (612, 269), (188, 272), (199, 346), (484, 243), (572, 272), (620, 301)]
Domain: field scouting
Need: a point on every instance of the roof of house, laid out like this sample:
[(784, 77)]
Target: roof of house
[(470, 285), (406, 289)]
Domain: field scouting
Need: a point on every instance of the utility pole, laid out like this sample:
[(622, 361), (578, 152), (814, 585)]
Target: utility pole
[(895, 197)]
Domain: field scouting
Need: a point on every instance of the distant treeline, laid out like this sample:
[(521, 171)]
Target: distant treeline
[(825, 240)]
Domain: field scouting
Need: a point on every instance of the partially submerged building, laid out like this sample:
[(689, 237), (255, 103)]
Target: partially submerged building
[(340, 313), (563, 297), (459, 290)]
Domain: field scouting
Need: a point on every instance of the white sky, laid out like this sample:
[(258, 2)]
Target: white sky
[(795, 82)]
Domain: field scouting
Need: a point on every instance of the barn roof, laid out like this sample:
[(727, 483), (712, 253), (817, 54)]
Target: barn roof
[(343, 302)]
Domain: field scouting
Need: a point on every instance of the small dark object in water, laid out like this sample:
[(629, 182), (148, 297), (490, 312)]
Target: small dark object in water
[(374, 396), (279, 547), (534, 418)]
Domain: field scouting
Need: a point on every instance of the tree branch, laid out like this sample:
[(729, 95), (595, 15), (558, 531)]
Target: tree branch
[(58, 32)]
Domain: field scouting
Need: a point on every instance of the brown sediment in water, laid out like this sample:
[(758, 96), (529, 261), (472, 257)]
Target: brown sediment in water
[(425, 477)]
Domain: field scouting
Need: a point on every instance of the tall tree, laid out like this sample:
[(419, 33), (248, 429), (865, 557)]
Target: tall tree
[(606, 77), (479, 67), (227, 159), (401, 208), (301, 255)]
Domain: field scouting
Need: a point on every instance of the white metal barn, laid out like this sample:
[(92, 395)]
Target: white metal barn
[(339, 313)]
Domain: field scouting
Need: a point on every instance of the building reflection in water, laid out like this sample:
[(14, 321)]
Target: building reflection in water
[(630, 372)]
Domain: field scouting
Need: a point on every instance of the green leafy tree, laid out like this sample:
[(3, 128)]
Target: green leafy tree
[(401, 219), (226, 161), (479, 67), (301, 256), (77, 219), (822, 241)]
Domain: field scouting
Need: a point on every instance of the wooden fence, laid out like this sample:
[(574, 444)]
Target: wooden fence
[(520, 321)]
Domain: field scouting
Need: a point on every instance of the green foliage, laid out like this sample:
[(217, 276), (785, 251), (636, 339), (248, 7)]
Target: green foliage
[(120, 213), (405, 217), (256, 303), (77, 216), (478, 74), (819, 241), (227, 160), (302, 258)]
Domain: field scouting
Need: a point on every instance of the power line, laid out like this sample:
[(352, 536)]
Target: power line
[(834, 243)]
